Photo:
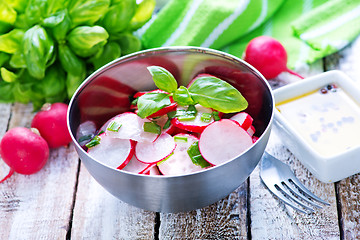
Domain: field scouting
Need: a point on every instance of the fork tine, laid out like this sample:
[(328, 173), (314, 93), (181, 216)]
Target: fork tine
[(304, 189), (289, 195), (300, 195), (280, 195)]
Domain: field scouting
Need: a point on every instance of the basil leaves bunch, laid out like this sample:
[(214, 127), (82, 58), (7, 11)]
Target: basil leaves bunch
[(48, 47), (210, 92)]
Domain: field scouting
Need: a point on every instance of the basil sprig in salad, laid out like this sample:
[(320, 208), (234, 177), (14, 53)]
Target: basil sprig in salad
[(208, 91)]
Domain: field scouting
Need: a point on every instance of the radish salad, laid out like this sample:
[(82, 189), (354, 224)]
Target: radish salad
[(173, 130)]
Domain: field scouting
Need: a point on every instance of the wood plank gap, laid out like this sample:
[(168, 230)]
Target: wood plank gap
[(248, 212), (339, 210), (157, 226), (68, 233)]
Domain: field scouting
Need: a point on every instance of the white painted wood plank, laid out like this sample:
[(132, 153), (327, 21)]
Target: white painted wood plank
[(99, 215), (38, 206), (348, 61), (272, 219), (226, 219)]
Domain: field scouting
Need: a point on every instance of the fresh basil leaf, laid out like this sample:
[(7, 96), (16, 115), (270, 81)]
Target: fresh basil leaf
[(152, 102), (212, 92), (182, 97), (38, 49), (11, 42), (163, 79)]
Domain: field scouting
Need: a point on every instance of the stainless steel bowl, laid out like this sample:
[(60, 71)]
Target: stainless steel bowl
[(106, 93)]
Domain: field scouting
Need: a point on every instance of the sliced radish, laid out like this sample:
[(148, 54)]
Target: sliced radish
[(196, 125), (222, 141), (156, 151), (135, 166), (179, 162), (165, 110), (244, 119), (251, 130), (113, 152), (85, 132), (154, 170), (132, 127)]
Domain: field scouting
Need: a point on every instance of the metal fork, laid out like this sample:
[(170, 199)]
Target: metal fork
[(282, 182)]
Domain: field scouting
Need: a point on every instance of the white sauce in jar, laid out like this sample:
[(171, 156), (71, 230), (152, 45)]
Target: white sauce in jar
[(329, 122)]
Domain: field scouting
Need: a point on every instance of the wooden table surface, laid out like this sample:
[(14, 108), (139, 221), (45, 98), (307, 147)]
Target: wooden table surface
[(63, 201)]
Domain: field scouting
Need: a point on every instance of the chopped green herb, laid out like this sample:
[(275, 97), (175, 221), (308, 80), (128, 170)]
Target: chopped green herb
[(114, 126), (206, 117), (191, 110), (215, 115), (180, 139), (167, 124), (134, 102), (152, 127), (188, 117), (171, 115), (195, 155), (95, 141)]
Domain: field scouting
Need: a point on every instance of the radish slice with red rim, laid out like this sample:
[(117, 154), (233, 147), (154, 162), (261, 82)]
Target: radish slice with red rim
[(113, 152), (153, 171), (130, 126), (244, 119), (222, 141), (135, 166), (179, 162), (195, 125), (156, 151)]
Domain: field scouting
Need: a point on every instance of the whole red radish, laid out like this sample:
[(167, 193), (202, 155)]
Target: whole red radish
[(51, 123), (268, 56), (24, 150)]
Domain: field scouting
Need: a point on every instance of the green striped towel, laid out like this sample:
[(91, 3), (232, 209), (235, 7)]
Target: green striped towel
[(229, 25), (206, 23), (279, 26)]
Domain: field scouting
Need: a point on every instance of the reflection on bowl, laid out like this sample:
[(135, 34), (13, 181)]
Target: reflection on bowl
[(106, 93)]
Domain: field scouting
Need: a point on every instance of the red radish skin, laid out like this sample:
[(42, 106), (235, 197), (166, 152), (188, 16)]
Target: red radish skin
[(156, 151), (195, 125), (23, 150), (222, 141), (244, 119), (179, 162), (268, 56), (251, 131), (51, 123), (8, 172), (113, 152)]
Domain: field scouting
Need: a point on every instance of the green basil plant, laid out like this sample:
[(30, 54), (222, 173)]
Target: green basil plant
[(48, 47)]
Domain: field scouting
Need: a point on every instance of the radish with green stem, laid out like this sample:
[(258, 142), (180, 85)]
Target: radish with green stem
[(24, 150), (268, 56)]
